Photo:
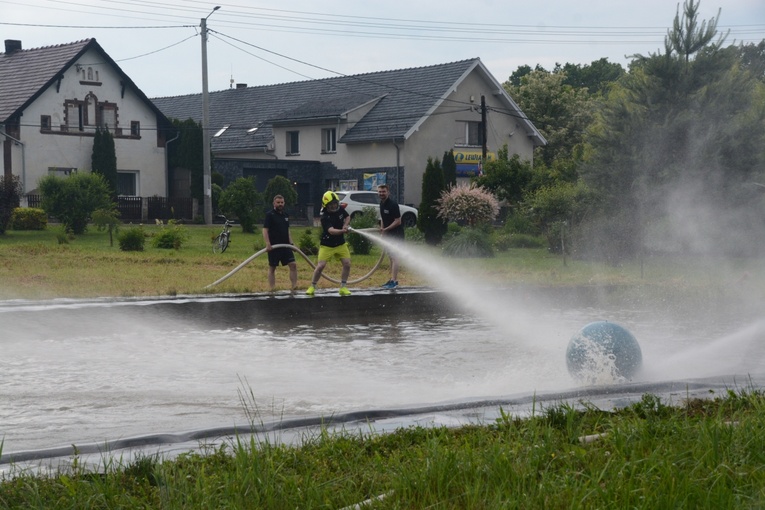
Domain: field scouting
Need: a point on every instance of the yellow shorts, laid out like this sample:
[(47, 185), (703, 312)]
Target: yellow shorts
[(338, 252)]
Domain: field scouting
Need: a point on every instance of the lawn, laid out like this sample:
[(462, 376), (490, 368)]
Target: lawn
[(37, 265)]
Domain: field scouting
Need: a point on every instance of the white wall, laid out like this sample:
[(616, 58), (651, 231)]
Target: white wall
[(74, 149)]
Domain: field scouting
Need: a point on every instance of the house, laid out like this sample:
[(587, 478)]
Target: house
[(52, 99), (352, 132)]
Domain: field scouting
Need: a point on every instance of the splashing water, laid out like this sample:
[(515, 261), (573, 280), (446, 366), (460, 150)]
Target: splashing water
[(515, 318)]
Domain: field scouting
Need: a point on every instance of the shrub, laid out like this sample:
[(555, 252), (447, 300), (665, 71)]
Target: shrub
[(471, 204), (519, 223), (170, 237), (10, 191), (29, 218), (414, 235), (280, 185), (307, 243), (131, 239), (360, 244), (242, 200), (469, 243), (506, 241), (452, 229), (73, 199)]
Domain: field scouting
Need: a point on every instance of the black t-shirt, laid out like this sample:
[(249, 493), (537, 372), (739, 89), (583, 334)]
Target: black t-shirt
[(389, 211), (278, 225), (333, 220)]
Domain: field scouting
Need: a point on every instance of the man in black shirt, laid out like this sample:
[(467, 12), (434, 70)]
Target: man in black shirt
[(334, 223), (276, 230), (391, 227)]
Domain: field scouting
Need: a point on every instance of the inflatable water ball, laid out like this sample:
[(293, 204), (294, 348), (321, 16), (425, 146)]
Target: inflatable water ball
[(602, 353)]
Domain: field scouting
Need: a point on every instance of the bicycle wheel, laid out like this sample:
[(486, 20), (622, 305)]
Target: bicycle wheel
[(220, 243)]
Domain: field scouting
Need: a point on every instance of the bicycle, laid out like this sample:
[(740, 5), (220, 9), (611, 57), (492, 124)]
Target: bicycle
[(220, 243)]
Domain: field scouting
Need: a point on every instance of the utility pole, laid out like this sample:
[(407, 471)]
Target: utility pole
[(206, 171), (483, 129)]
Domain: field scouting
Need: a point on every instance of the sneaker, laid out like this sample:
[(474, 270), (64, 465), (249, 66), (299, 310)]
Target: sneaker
[(393, 285), (311, 290), (387, 284), (344, 291)]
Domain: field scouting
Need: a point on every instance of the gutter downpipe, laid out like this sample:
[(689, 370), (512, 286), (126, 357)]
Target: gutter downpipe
[(167, 169), (23, 160), (398, 171)]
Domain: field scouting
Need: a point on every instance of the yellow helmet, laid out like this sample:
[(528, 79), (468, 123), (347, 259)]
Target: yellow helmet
[(329, 196)]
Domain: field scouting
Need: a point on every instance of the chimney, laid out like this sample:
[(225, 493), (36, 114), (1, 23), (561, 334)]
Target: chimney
[(12, 45), (241, 85)]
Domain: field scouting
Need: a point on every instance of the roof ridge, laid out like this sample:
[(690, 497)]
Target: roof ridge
[(358, 75), (52, 46)]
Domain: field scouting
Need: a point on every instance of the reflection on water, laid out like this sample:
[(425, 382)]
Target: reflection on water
[(62, 384)]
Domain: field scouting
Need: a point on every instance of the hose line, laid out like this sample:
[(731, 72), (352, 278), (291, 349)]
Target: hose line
[(296, 249)]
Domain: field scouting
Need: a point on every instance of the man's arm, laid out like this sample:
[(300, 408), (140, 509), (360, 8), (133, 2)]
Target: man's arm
[(267, 239)]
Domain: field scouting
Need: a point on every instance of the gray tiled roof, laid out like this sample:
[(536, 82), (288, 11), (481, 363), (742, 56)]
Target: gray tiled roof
[(25, 73), (404, 97)]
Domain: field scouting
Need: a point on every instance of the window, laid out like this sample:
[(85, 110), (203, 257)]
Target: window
[(108, 114), (293, 143), (73, 116), (473, 133), (135, 128), (127, 183), (328, 140), (44, 122)]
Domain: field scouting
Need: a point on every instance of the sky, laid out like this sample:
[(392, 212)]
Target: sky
[(257, 42)]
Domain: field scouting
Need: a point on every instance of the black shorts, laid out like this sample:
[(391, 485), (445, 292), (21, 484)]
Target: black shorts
[(283, 255)]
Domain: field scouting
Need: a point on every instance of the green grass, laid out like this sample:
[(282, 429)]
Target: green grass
[(34, 265), (703, 454)]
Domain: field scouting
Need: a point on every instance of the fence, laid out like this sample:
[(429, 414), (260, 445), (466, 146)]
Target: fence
[(145, 209)]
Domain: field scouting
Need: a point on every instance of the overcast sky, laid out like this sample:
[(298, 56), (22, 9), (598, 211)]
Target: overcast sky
[(261, 42)]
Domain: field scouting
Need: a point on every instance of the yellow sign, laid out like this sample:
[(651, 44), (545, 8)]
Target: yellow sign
[(472, 157)]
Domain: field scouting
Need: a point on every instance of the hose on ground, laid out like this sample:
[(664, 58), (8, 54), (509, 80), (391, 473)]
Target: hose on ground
[(313, 266)]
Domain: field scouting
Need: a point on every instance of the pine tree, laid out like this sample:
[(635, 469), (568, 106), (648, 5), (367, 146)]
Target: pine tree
[(433, 185), (103, 159)]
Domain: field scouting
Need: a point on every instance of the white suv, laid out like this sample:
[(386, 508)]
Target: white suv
[(355, 201)]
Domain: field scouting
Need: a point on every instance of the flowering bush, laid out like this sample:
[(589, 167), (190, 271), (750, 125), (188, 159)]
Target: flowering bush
[(471, 204)]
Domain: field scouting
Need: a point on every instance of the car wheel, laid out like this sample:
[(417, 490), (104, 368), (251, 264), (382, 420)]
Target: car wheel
[(409, 220)]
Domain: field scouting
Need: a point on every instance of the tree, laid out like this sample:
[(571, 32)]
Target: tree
[(107, 219), (428, 221), (280, 185), (560, 111), (10, 193), (595, 77), (507, 178), (687, 38), (242, 200), (558, 210), (72, 200), (187, 153), (449, 167), (675, 143), (103, 159)]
